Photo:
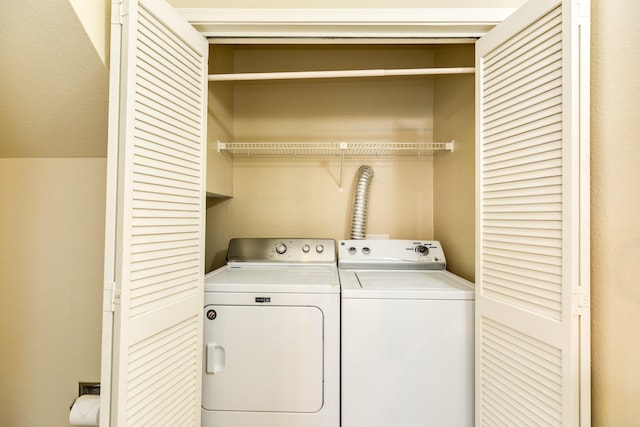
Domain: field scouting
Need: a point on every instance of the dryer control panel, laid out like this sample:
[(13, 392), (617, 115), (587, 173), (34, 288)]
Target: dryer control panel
[(282, 250), (391, 254)]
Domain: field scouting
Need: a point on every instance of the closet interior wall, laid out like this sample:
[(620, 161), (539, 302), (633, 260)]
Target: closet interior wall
[(301, 197), (454, 173)]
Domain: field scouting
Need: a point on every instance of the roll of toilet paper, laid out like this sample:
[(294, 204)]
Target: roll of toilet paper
[(85, 411)]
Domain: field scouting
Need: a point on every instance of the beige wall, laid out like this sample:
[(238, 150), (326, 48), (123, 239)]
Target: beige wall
[(615, 203), (454, 173), (51, 247), (219, 124), (54, 96), (301, 198)]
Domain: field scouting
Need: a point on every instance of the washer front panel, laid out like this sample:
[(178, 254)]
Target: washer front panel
[(407, 362)]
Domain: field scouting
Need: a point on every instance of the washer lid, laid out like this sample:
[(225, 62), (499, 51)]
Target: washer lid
[(276, 279), (404, 284)]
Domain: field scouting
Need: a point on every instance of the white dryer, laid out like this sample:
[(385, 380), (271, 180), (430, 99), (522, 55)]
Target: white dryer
[(272, 336), (407, 336)]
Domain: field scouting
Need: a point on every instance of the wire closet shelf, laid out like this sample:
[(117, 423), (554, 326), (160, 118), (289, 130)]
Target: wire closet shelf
[(334, 149)]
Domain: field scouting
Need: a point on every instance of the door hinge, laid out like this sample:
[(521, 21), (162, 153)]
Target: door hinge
[(582, 11), (111, 297), (581, 301), (119, 8)]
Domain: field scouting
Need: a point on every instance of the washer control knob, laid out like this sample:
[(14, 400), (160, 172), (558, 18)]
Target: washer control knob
[(366, 250), (352, 250), (306, 248), (422, 250), (281, 248), (320, 248)]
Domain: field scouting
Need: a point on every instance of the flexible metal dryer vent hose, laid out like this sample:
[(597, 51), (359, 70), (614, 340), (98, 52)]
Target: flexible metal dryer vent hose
[(360, 202)]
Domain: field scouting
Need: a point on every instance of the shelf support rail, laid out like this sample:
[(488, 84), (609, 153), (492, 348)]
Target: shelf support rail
[(350, 149), (331, 149)]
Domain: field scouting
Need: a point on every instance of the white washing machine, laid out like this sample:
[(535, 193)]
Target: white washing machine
[(407, 336), (272, 336)]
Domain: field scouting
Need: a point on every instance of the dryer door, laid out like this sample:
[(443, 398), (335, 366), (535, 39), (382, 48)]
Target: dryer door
[(263, 358)]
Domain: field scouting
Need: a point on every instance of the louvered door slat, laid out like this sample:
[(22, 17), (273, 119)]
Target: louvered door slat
[(529, 236), (537, 116), (540, 95), (167, 113), (522, 275), (159, 268), (542, 288), (164, 38), (169, 152), (159, 45), (542, 164), (169, 197), (525, 157), (157, 189), (161, 119), (531, 87), (514, 101), (525, 113), (168, 370), (552, 183), (524, 193), (147, 286), (519, 42), (153, 71), (549, 133), (539, 383), (148, 132), (515, 253), (150, 299), (145, 176), (168, 97), (540, 72), (503, 377), (148, 242), (527, 172), (176, 178), (528, 219), (526, 65), (543, 124)]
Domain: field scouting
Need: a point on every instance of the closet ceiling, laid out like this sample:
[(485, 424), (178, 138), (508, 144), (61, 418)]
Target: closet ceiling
[(54, 85)]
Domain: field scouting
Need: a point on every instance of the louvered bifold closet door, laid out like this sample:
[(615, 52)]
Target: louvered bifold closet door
[(154, 257), (532, 224)]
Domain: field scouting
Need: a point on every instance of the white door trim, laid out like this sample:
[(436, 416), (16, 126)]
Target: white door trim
[(422, 23)]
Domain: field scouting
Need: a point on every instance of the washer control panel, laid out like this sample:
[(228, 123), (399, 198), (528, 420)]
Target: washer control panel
[(282, 250), (391, 254)]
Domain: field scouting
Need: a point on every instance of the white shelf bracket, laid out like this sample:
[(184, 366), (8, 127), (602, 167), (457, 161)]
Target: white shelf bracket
[(343, 147)]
